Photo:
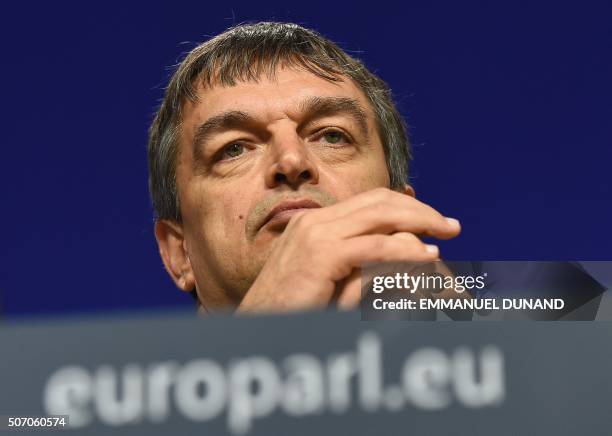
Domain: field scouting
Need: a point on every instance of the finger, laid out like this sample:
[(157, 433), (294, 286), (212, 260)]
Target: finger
[(350, 292), (350, 288), (353, 252), (395, 199), (384, 211), (364, 199), (384, 218)]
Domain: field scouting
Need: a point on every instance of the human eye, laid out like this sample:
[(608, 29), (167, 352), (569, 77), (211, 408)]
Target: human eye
[(335, 137), (230, 151)]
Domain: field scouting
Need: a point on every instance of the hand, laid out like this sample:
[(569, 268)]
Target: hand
[(321, 247), (349, 290)]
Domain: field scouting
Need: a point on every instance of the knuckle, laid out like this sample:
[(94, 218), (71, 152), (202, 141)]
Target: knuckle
[(409, 238), (437, 216), (380, 194), (301, 221), (433, 212), (313, 234), (380, 244), (379, 208), (385, 194)]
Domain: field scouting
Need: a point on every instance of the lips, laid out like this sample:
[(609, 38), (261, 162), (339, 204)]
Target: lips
[(280, 215)]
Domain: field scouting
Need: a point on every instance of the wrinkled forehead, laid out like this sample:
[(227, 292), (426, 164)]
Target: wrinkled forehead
[(288, 89)]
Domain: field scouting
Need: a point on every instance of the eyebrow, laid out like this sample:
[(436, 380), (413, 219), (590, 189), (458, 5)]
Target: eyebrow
[(317, 107), (313, 107), (224, 121)]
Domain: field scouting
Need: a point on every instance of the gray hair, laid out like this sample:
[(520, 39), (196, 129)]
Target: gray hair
[(244, 53)]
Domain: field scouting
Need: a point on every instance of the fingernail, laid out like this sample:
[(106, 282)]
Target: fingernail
[(433, 249), (453, 222)]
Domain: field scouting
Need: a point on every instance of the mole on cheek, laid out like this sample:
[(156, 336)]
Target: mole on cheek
[(240, 217)]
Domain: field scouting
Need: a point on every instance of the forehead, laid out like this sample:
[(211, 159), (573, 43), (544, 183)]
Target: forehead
[(272, 98)]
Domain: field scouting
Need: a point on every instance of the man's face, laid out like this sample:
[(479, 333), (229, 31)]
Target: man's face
[(246, 149)]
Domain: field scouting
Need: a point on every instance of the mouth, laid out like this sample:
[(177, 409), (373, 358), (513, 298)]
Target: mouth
[(280, 215)]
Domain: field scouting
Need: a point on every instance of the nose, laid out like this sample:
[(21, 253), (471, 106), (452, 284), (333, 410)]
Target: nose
[(291, 163)]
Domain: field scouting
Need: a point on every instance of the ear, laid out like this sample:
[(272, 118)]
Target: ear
[(173, 251), (409, 190)]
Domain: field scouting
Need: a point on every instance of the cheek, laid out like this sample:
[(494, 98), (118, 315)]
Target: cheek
[(228, 211), (218, 241), (215, 216), (358, 177), (378, 173), (378, 177)]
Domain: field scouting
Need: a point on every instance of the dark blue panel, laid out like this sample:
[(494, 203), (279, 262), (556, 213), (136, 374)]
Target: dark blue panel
[(510, 108)]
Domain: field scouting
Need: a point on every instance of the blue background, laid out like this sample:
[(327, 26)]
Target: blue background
[(509, 106)]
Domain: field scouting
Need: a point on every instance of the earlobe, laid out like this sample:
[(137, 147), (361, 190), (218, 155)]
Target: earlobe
[(409, 190), (173, 250)]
